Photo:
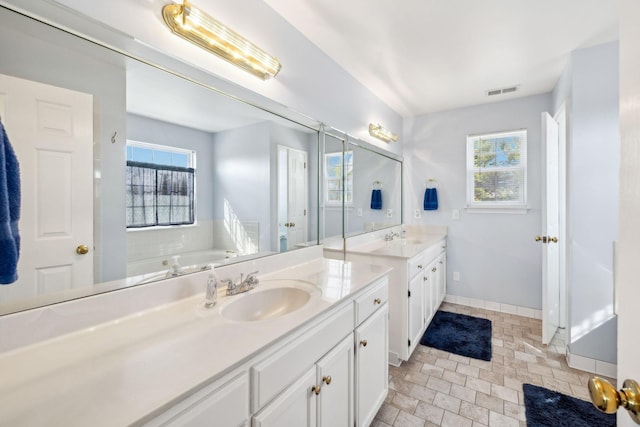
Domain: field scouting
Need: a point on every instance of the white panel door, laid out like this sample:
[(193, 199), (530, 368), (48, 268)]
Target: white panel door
[(51, 130), (627, 269), (550, 228), (297, 198)]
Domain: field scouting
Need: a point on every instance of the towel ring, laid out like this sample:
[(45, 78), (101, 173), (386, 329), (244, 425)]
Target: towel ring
[(431, 183)]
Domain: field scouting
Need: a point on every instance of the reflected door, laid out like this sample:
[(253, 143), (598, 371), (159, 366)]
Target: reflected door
[(51, 131), (292, 197)]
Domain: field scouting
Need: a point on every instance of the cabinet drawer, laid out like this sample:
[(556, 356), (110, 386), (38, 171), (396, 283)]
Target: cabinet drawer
[(416, 265), (277, 371), (372, 300), (226, 402)]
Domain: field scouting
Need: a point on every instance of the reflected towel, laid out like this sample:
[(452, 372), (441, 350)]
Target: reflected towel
[(9, 210), (430, 199), (376, 199)]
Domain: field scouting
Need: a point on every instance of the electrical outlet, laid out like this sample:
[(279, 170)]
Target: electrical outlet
[(455, 214), (417, 214), (456, 276), (389, 213)]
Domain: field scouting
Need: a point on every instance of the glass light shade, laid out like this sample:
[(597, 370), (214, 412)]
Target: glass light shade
[(201, 29), (377, 131)]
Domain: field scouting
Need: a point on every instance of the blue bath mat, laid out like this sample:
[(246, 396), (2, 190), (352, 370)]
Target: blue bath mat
[(545, 408), (460, 334)]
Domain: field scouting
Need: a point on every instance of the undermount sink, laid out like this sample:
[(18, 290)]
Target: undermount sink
[(263, 304)]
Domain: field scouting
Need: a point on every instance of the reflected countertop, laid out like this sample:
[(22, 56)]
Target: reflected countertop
[(128, 370)]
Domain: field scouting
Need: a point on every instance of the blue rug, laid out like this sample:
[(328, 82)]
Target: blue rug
[(548, 408), (460, 334)]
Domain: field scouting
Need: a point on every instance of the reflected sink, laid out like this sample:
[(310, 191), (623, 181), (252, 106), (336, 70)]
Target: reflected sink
[(263, 304)]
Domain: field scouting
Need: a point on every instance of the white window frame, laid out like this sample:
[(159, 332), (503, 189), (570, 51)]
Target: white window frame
[(516, 207), (343, 182)]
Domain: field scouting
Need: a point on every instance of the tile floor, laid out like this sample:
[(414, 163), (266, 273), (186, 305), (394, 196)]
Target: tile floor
[(437, 388)]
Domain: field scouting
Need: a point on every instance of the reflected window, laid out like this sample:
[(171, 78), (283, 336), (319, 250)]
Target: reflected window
[(160, 185), (497, 170), (337, 166)]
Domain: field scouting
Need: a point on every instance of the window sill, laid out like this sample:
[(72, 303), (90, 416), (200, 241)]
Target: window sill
[(513, 210)]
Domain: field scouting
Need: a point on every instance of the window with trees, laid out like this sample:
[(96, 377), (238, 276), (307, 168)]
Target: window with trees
[(160, 185), (337, 166), (497, 170)]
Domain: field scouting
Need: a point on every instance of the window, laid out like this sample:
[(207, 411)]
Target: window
[(160, 185), (337, 164), (497, 170)]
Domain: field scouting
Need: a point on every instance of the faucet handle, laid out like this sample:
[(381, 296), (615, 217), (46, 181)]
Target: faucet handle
[(252, 279)]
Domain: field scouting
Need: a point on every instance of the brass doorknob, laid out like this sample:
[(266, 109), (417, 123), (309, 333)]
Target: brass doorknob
[(538, 238), (553, 239), (327, 379), (82, 250), (607, 399)]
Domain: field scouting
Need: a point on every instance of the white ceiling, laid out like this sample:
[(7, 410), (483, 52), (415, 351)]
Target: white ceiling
[(421, 56)]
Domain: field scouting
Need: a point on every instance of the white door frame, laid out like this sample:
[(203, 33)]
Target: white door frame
[(560, 117)]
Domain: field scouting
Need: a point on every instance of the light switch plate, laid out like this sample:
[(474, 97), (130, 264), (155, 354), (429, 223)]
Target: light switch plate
[(417, 213), (455, 214)]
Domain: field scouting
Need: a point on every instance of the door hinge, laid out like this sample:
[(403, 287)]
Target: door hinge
[(305, 165), (409, 292), (305, 212), (409, 343)]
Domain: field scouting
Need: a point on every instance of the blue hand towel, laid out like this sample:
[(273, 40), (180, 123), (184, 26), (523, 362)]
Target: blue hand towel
[(9, 210), (430, 199), (376, 199)]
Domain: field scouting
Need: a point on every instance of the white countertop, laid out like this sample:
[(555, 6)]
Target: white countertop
[(130, 369), (399, 247)]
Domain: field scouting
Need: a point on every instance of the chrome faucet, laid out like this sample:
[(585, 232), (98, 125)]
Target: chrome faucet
[(389, 236), (246, 284)]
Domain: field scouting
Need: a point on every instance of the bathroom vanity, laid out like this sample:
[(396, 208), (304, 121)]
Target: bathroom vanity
[(323, 363), (417, 283)]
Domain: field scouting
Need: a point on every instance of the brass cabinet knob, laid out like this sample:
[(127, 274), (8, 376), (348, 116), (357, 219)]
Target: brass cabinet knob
[(363, 343), (327, 379), (434, 269), (316, 389), (441, 262), (425, 278), (420, 266), (607, 399), (82, 250), (377, 301)]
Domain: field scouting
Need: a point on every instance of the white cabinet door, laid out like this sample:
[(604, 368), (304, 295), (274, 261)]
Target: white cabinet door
[(429, 290), (372, 351), (335, 377), (441, 277), (296, 406), (416, 313)]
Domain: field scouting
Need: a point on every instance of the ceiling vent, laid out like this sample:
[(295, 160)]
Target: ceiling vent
[(502, 91)]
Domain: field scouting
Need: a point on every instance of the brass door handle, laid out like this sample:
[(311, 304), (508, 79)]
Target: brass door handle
[(552, 239), (82, 250), (327, 379), (316, 389), (363, 343), (607, 399)]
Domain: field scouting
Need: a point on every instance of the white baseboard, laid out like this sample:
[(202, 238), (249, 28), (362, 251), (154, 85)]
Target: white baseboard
[(495, 306), (592, 365)]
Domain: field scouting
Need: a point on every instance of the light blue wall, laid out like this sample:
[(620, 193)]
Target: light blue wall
[(496, 254)]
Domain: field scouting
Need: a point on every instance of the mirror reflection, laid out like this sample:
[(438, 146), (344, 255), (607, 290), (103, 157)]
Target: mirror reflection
[(153, 174), (362, 188)]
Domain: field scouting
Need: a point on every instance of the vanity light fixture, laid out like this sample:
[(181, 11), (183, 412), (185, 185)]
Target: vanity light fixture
[(193, 24), (376, 130)]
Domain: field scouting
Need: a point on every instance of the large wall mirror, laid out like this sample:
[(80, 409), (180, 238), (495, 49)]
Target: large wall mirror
[(131, 174)]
